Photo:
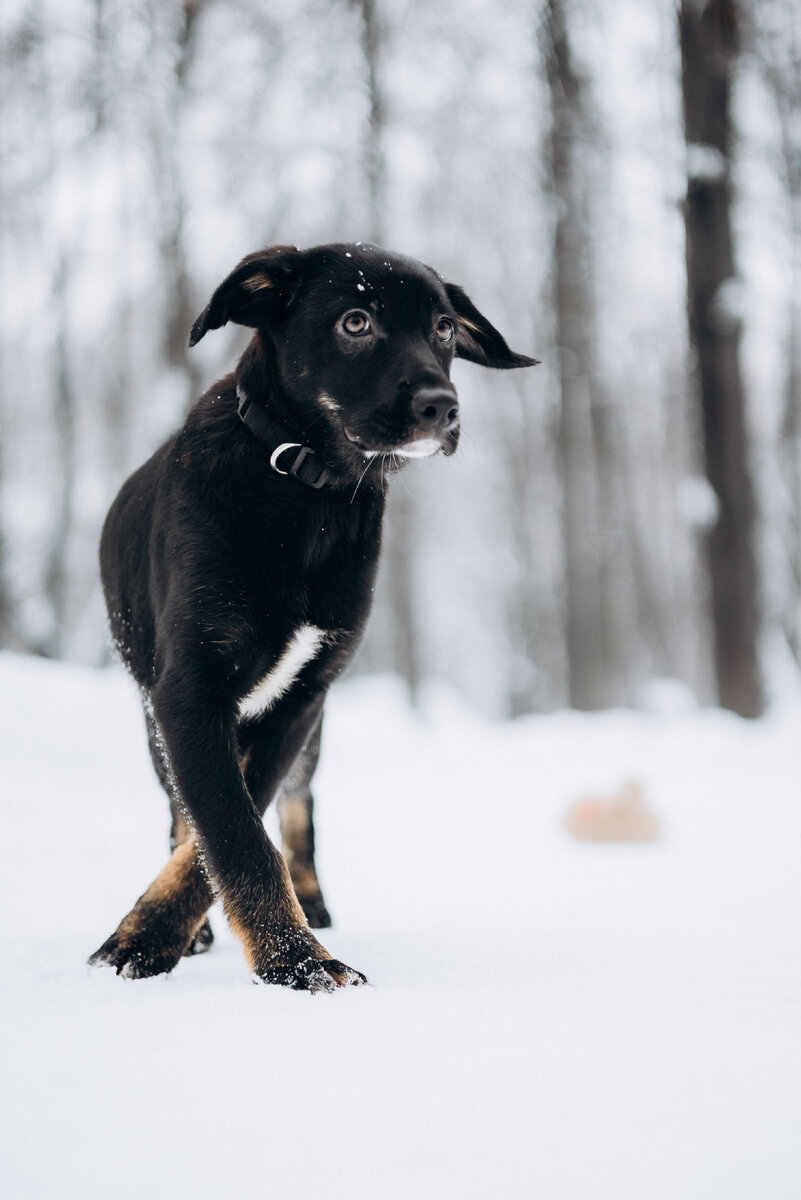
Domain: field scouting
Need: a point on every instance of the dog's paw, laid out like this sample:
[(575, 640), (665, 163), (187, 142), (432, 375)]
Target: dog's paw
[(149, 942), (312, 975), (342, 974), (295, 959), (135, 956)]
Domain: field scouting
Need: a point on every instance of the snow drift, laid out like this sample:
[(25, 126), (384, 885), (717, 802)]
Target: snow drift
[(548, 1018)]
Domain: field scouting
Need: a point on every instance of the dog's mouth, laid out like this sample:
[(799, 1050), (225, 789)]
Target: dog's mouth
[(420, 445)]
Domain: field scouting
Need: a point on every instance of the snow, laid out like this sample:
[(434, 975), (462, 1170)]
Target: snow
[(705, 164), (547, 1018), (728, 306)]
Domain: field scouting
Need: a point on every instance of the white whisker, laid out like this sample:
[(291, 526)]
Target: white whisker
[(370, 461)]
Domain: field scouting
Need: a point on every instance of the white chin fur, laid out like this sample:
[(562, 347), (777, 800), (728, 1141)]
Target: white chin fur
[(423, 448)]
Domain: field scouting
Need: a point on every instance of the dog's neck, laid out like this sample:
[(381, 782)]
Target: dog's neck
[(286, 457), (282, 438), (257, 378), (273, 420)]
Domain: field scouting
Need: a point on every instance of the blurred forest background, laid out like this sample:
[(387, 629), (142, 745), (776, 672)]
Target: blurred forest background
[(617, 186)]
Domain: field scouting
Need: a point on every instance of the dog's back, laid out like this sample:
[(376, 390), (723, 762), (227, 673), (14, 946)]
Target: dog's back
[(125, 562)]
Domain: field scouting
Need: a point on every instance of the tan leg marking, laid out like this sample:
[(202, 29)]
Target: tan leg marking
[(182, 874), (176, 874), (293, 815), (288, 914), (164, 921)]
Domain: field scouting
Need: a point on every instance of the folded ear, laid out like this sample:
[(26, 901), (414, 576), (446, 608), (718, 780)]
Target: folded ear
[(255, 289), (479, 341)]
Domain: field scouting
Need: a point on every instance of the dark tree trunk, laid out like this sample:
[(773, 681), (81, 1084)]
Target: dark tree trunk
[(709, 43)]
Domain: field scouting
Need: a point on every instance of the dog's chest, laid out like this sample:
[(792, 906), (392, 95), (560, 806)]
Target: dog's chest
[(301, 648)]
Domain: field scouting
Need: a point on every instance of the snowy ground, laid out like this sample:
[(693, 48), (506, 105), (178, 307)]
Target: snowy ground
[(549, 1020)]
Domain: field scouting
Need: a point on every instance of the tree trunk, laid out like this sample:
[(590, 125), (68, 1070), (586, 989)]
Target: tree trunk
[(57, 577), (780, 61), (531, 617), (790, 446), (584, 633), (399, 592), (374, 159), (164, 135), (709, 37)]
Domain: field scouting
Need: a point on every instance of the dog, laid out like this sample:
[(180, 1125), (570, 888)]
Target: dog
[(238, 566)]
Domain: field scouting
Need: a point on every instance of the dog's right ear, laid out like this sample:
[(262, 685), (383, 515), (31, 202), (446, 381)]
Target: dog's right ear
[(255, 290)]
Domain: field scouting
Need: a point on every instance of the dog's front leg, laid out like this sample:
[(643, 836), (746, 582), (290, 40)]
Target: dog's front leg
[(229, 852), (164, 922), (244, 866)]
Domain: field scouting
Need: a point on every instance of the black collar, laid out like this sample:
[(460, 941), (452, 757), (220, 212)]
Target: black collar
[(305, 467)]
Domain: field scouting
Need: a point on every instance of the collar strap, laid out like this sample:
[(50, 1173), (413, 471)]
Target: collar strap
[(303, 465)]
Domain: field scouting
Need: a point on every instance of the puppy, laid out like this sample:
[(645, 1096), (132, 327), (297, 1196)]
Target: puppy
[(238, 567)]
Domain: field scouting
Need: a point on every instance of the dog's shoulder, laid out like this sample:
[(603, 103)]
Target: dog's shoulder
[(211, 428)]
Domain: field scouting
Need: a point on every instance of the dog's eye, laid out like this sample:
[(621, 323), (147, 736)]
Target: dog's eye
[(356, 323), (445, 330)]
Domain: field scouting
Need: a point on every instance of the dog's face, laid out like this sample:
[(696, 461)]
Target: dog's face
[(361, 342)]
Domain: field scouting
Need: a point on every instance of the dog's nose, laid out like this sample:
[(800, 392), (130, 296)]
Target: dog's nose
[(435, 409)]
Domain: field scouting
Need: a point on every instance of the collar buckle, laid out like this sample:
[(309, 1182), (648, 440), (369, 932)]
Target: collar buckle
[(313, 479), (305, 465)]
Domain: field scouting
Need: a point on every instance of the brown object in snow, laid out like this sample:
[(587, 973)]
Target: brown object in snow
[(622, 817)]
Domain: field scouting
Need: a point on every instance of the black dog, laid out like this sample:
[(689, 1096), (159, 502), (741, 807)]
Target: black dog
[(238, 567)]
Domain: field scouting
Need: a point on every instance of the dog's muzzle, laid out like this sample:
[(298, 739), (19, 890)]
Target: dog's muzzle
[(431, 424)]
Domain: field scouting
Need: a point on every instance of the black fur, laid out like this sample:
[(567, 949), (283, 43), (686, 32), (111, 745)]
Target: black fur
[(212, 561)]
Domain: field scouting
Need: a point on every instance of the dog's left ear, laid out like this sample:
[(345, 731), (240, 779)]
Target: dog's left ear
[(479, 341), (254, 290)]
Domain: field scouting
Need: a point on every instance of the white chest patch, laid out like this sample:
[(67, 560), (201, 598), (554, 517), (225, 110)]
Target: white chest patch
[(301, 648)]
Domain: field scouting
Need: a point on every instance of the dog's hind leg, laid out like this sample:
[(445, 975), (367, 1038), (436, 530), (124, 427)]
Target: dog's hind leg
[(296, 815), (180, 830), (295, 811)]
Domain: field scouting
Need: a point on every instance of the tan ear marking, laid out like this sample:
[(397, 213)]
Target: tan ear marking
[(469, 324), (258, 282)]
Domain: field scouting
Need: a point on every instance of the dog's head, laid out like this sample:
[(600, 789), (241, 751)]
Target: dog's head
[(360, 343)]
